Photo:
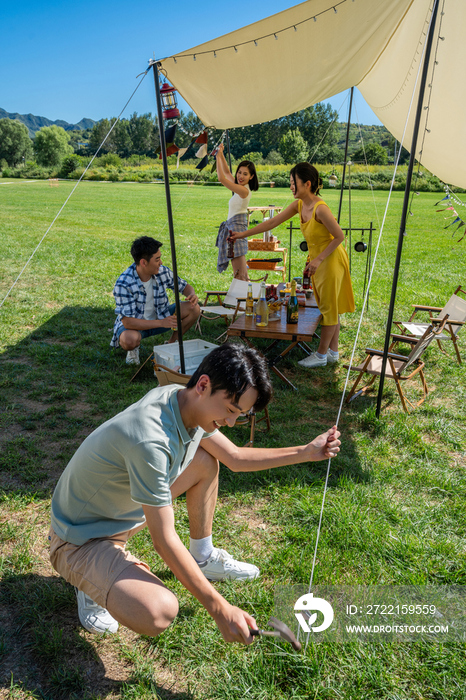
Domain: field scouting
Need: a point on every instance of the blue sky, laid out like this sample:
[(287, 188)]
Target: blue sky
[(64, 60)]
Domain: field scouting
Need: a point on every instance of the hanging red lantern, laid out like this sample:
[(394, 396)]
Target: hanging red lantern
[(170, 109)]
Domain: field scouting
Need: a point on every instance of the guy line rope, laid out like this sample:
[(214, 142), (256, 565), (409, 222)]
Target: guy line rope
[(361, 319), (72, 191)]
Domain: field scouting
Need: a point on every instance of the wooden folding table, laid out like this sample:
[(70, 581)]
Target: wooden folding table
[(299, 333)]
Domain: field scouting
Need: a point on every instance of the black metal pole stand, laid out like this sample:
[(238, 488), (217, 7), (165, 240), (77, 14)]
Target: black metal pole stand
[(169, 212), (289, 257), (346, 153), (402, 232)]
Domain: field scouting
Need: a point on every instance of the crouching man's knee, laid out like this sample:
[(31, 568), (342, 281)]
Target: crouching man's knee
[(164, 612)]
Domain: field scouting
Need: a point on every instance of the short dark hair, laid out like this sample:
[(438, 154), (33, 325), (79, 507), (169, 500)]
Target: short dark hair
[(144, 247), (305, 172), (253, 182), (235, 368)]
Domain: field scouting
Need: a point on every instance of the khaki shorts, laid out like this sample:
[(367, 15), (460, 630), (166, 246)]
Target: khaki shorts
[(94, 566)]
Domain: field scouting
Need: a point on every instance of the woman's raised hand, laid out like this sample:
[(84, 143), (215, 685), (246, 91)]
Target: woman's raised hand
[(235, 235)]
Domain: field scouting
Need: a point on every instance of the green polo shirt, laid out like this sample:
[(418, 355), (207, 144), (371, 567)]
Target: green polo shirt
[(130, 460)]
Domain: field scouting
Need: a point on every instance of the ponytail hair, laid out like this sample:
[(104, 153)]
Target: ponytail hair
[(306, 172), (253, 182)]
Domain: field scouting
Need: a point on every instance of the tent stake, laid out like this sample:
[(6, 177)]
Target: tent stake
[(169, 211), (402, 232)]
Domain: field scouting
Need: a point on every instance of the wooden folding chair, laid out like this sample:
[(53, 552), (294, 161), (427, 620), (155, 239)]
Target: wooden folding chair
[(233, 302), (166, 375), (455, 308), (400, 368)]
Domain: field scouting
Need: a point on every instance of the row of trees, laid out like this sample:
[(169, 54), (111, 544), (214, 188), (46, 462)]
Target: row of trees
[(50, 145), (311, 134)]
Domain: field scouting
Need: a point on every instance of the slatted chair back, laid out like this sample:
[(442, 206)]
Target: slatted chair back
[(238, 289), (456, 310), (423, 343)]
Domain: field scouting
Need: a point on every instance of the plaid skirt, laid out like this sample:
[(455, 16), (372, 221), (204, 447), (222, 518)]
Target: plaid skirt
[(236, 223)]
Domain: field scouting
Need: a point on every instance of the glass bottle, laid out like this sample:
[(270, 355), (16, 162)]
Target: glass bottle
[(292, 308), (249, 301), (231, 246), (262, 310), (306, 279)]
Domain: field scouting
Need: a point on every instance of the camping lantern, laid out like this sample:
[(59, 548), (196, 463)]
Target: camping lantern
[(332, 181), (170, 108)]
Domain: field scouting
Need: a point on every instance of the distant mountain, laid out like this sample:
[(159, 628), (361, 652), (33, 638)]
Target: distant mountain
[(34, 123)]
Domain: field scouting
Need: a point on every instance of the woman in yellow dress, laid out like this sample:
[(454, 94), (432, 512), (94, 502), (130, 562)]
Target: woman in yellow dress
[(327, 261)]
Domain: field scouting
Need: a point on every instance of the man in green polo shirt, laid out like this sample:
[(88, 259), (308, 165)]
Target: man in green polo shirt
[(123, 478)]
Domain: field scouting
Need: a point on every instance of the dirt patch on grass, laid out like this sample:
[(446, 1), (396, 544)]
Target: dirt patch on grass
[(16, 361)]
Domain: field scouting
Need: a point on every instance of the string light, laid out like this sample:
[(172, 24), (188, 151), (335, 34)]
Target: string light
[(275, 34)]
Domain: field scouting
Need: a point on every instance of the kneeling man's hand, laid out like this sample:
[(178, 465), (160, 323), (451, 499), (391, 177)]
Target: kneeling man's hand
[(325, 445), (234, 624)]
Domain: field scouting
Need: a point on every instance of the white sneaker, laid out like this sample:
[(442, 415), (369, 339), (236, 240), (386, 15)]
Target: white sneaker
[(93, 617), (313, 360), (221, 566), (132, 357), (332, 357)]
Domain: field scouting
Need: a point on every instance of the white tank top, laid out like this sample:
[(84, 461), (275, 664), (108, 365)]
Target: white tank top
[(149, 308), (238, 205)]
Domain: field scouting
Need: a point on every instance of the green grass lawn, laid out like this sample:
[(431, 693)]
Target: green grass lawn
[(395, 506)]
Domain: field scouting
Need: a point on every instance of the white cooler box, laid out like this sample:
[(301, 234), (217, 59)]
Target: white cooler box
[(194, 353)]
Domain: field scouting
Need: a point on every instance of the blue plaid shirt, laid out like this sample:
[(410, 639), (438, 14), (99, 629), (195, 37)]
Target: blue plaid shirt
[(130, 295)]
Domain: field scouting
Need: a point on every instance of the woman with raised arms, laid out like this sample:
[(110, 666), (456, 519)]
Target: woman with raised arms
[(241, 185)]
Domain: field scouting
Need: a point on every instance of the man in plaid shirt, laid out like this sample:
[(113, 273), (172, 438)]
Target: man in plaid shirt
[(142, 306)]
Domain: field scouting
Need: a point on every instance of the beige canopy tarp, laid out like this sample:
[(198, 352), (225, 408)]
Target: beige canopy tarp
[(317, 49)]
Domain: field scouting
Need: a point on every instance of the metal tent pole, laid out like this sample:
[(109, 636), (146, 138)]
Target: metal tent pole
[(346, 153), (402, 232), (169, 212)]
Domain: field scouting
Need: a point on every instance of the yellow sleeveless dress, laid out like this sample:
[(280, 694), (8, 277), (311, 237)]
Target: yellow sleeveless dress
[(332, 281)]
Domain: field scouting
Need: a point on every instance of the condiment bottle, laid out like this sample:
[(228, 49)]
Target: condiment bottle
[(249, 301), (262, 309), (292, 308)]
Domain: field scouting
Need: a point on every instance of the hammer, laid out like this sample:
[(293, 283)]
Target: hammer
[(279, 630)]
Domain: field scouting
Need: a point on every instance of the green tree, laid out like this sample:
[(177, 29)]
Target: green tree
[(273, 158), (143, 132), (98, 134), (373, 154), (51, 145), (121, 139), (15, 144), (318, 127), (292, 147)]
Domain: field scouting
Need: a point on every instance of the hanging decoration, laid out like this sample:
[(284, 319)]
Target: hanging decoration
[(447, 206), (203, 163), (170, 144), (202, 140)]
